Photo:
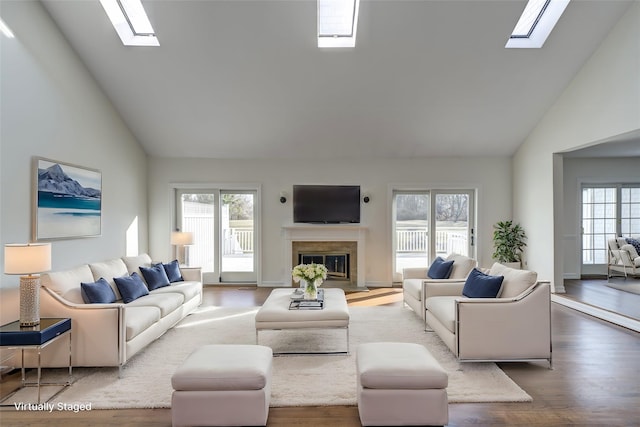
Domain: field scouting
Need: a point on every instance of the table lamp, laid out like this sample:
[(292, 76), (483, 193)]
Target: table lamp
[(182, 239), (26, 260)]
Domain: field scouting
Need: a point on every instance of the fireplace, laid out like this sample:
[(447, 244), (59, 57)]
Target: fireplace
[(341, 247), (336, 256), (337, 264)]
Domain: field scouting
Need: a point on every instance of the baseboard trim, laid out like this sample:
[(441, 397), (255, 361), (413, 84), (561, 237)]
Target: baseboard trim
[(599, 313)]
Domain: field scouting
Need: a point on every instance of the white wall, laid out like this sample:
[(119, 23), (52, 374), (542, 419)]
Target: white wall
[(579, 171), (602, 101), (491, 177), (51, 107)]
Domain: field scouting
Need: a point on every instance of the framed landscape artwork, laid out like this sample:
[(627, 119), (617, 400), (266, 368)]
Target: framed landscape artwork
[(67, 201)]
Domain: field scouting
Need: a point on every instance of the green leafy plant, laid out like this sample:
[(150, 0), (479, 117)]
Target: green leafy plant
[(508, 241)]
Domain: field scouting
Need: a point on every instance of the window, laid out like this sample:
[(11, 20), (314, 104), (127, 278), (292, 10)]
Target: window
[(337, 23), (131, 22), (598, 223), (608, 211), (536, 23), (629, 211)]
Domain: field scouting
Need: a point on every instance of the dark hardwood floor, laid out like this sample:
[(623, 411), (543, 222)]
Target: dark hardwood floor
[(596, 292), (594, 382)]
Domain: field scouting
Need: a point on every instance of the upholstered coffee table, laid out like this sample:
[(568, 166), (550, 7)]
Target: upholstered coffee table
[(276, 315)]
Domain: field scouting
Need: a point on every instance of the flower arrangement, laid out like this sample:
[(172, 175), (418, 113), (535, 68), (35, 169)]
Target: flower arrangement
[(313, 274)]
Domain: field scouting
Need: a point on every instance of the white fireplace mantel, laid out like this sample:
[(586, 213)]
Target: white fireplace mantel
[(325, 233)]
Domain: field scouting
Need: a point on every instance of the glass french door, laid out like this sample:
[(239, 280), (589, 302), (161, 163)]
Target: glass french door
[(431, 223), (607, 211), (223, 225), (453, 225), (238, 236), (411, 213)]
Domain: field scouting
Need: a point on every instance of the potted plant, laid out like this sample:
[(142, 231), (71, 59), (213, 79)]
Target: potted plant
[(508, 241)]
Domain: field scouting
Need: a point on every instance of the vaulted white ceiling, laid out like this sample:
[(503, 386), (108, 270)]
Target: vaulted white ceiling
[(245, 79)]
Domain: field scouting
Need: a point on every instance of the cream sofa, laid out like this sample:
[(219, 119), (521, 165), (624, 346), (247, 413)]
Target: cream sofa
[(110, 334), (515, 326), (414, 281), (623, 257)]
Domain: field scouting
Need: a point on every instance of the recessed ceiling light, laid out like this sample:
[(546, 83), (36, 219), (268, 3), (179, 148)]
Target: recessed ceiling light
[(536, 22), (131, 22), (337, 23)]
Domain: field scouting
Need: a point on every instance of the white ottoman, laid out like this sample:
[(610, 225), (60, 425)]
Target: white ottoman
[(223, 385), (400, 384)]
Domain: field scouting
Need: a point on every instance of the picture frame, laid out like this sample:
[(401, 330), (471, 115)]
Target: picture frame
[(67, 201)]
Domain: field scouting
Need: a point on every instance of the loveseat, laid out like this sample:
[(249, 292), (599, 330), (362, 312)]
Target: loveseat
[(109, 334), (623, 256), (414, 280), (513, 326)]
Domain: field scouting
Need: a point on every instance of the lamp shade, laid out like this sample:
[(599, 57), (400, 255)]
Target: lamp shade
[(181, 238), (27, 258)]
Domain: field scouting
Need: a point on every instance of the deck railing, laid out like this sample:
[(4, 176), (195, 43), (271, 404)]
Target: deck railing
[(448, 240)]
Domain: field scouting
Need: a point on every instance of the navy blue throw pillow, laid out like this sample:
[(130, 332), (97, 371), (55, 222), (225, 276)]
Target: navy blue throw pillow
[(98, 292), (635, 243), (480, 285), (131, 287), (155, 276), (173, 271), (440, 269)]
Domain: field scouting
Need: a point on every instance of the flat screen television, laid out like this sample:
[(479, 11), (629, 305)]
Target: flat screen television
[(326, 204)]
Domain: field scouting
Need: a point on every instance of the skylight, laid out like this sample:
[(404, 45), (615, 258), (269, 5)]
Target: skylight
[(532, 13), (4, 29), (130, 22), (536, 22), (337, 23)]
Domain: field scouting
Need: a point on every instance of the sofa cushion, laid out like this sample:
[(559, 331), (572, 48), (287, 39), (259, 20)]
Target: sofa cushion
[(139, 319), (444, 308), (155, 276), (440, 269), (173, 271), (134, 263), (109, 270), (166, 302), (515, 281), (188, 290), (462, 265), (131, 287), (225, 367), (399, 366), (98, 292), (636, 245), (480, 285), (67, 283), (413, 287), (633, 254)]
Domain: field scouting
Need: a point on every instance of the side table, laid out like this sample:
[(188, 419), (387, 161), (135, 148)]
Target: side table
[(14, 336)]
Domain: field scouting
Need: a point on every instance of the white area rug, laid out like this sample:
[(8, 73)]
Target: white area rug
[(297, 380)]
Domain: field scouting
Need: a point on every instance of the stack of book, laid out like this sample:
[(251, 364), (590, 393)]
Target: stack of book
[(299, 303)]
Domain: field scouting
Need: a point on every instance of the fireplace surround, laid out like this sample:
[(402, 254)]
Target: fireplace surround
[(329, 253), (327, 240)]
